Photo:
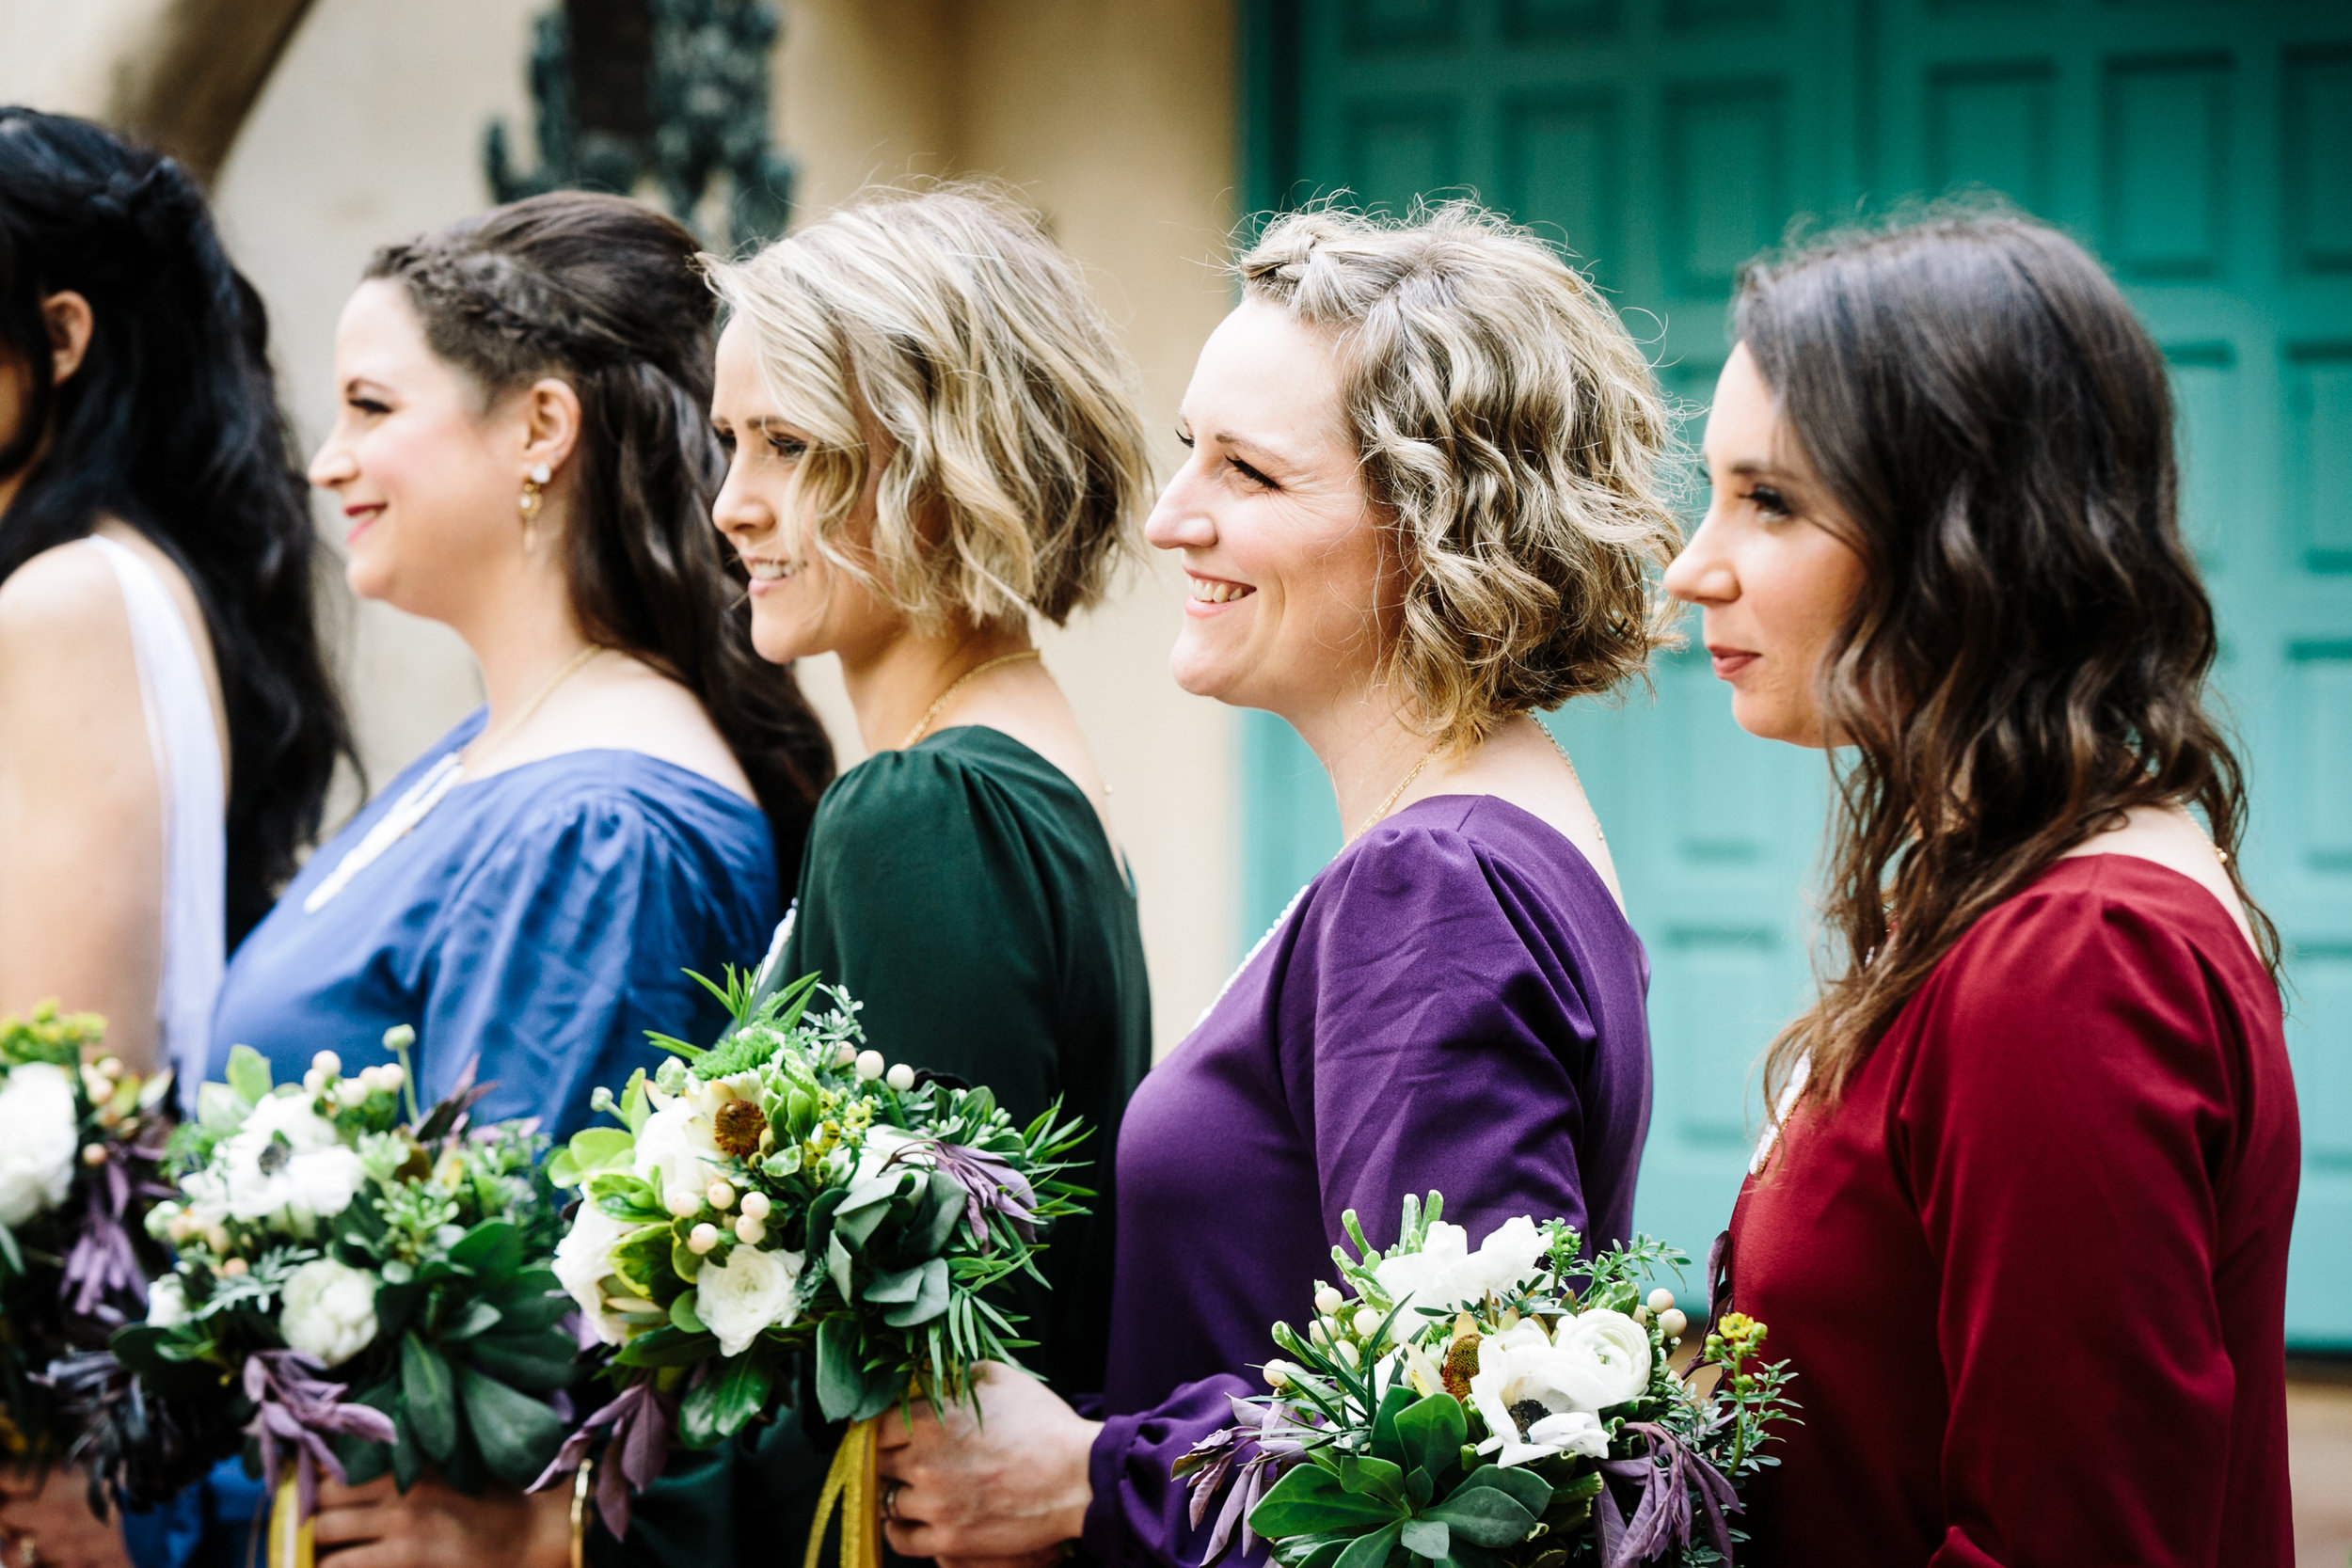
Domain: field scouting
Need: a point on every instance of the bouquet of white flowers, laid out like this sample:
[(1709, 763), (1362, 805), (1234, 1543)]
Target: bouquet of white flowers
[(80, 1139), (321, 1231), (790, 1192), (1484, 1409)]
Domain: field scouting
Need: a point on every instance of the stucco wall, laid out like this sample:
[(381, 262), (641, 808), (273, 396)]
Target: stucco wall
[(1115, 117)]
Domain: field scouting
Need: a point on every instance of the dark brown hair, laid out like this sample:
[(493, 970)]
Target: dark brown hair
[(603, 294), (2026, 659), (172, 425)]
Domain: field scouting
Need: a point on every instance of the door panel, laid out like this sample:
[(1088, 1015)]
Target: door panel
[(2204, 151)]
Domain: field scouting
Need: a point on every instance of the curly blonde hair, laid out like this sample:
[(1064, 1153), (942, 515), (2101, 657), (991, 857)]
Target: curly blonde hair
[(1513, 438), (947, 318)]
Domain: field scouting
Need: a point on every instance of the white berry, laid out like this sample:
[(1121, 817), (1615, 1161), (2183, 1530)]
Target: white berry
[(701, 1239)]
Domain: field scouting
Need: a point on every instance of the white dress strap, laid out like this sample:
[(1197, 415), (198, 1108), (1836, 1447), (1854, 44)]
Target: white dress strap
[(186, 745)]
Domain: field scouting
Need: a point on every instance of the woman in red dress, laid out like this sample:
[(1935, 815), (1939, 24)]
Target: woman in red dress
[(2020, 1217)]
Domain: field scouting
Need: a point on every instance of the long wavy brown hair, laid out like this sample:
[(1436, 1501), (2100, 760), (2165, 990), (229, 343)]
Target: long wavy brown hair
[(2028, 658)]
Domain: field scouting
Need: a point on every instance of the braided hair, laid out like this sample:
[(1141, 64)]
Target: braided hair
[(171, 424), (603, 293)]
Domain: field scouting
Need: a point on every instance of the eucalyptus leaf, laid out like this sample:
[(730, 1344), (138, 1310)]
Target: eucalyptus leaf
[(1427, 1538), (1431, 1432), (516, 1434), (840, 1380), (930, 1299), (1309, 1499), (248, 1074), (428, 1397), (493, 1249)]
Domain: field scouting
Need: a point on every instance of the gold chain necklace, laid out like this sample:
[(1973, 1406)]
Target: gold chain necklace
[(923, 725), (1394, 795), (1573, 774), (430, 790), (485, 744)]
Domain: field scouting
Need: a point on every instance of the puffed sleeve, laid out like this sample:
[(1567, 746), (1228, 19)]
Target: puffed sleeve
[(2070, 1119), (563, 948), (1430, 1032), (920, 896)]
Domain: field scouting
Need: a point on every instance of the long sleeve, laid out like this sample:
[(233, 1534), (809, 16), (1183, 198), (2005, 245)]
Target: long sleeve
[(2068, 1128), (1430, 1032), (919, 898)]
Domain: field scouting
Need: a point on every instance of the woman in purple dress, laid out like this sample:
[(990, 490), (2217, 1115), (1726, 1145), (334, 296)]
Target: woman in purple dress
[(1421, 503)]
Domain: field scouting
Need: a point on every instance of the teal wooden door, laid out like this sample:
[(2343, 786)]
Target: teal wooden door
[(2204, 150)]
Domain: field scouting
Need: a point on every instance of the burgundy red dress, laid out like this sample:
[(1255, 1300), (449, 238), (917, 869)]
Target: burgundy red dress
[(2031, 1271)]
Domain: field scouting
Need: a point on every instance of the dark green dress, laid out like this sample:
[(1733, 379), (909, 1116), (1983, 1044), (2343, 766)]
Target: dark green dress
[(963, 890)]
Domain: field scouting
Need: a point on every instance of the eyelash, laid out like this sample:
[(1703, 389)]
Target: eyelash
[(367, 406), (1238, 466), (1770, 502)]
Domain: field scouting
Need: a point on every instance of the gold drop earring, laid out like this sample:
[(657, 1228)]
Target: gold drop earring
[(533, 483)]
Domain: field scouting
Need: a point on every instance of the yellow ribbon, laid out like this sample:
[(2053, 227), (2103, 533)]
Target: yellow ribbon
[(850, 1483), (290, 1542)]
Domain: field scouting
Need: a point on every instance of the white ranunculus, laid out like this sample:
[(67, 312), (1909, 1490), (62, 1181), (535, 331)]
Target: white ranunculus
[(1607, 1357), (166, 1302), (676, 1149), (329, 1313), (1445, 1274), (882, 1144), (583, 1259), (285, 1165), (40, 1135), (750, 1292)]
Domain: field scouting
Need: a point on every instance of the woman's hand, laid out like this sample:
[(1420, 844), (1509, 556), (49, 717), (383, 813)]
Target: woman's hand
[(1010, 1485), (48, 1520), (436, 1526)]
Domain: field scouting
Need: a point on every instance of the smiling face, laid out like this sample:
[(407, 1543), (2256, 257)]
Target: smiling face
[(1769, 567), (428, 481), (1292, 587), (802, 604)]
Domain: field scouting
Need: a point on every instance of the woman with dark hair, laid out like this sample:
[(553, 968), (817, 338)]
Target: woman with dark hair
[(523, 453), (137, 408), (2048, 1070), (167, 725)]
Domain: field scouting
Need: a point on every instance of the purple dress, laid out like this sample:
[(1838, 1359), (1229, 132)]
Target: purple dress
[(1456, 1003)]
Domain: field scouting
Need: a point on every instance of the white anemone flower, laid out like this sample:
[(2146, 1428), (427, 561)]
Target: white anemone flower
[(1445, 1274), (285, 1167), (39, 1138), (1527, 1391)]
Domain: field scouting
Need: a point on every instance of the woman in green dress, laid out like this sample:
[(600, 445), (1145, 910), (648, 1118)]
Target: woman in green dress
[(933, 439)]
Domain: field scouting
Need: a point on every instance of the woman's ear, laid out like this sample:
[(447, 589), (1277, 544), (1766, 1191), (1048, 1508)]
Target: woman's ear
[(551, 416), (68, 317)]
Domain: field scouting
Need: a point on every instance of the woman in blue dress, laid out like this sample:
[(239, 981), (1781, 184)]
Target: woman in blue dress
[(522, 452)]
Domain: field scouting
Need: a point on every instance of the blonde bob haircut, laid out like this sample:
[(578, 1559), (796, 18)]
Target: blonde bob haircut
[(1513, 440), (944, 318)]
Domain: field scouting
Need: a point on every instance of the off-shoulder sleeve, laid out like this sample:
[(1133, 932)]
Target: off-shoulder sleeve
[(1429, 1034), (920, 896), (565, 946), (2069, 1120)]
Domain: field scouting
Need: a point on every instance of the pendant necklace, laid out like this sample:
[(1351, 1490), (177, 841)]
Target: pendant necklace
[(429, 791)]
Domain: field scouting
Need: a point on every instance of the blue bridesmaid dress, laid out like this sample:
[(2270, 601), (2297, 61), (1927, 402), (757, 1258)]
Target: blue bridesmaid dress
[(537, 924)]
